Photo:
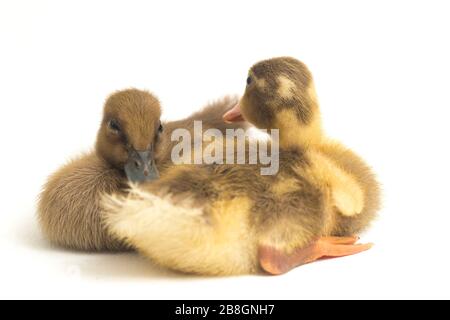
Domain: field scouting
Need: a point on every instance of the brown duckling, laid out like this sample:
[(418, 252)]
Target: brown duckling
[(130, 141), (230, 219)]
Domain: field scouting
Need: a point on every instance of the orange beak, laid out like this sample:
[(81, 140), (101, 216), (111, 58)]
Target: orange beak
[(233, 115)]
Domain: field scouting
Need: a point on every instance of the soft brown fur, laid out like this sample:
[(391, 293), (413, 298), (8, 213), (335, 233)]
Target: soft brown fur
[(68, 208), (69, 204), (138, 115), (211, 219)]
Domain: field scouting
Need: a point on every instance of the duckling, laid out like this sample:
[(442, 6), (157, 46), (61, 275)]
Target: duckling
[(230, 219), (69, 205)]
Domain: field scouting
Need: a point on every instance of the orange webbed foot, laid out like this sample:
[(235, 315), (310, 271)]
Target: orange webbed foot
[(275, 261)]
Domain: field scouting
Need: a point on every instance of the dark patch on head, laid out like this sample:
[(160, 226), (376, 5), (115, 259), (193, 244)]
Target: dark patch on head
[(258, 112), (287, 66), (264, 103)]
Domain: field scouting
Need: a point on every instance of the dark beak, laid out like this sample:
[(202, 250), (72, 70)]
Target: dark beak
[(141, 167)]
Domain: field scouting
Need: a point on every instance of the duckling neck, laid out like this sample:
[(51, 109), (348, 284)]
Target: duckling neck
[(293, 134)]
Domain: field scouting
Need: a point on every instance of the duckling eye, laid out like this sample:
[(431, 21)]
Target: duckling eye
[(249, 80), (161, 128), (114, 125)]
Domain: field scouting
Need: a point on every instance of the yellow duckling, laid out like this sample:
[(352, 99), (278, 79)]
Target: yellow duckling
[(229, 219), (131, 144)]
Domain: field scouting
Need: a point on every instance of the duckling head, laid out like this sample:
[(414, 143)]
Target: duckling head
[(280, 95), (128, 133)]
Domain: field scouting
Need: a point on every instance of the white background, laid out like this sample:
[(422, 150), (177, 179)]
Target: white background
[(382, 73)]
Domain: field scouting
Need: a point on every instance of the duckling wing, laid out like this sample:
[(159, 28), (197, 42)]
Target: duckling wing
[(347, 194), (363, 174)]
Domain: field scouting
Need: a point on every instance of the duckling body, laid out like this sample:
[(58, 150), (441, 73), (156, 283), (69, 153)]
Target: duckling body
[(230, 219), (69, 205), (212, 219), (70, 202)]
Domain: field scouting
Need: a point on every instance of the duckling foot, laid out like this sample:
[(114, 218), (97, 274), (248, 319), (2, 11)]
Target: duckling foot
[(275, 261)]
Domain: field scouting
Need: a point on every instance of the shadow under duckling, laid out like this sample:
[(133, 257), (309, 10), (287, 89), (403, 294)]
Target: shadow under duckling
[(131, 145), (229, 219)]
